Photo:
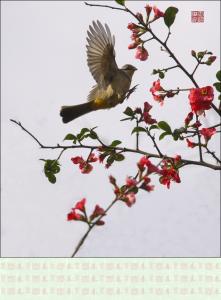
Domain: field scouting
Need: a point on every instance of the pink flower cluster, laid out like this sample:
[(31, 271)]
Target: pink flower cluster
[(167, 170), (81, 215), (207, 133), (84, 165), (146, 114), (200, 99), (169, 173), (159, 93), (138, 30)]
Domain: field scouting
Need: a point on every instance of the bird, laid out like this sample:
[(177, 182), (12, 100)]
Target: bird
[(112, 83)]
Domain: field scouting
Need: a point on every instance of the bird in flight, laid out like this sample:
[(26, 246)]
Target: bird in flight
[(113, 84)]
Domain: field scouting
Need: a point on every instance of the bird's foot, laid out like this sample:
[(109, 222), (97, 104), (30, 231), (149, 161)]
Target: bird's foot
[(131, 91)]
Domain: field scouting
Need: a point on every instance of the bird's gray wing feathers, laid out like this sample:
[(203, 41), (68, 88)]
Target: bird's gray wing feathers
[(93, 92), (101, 54)]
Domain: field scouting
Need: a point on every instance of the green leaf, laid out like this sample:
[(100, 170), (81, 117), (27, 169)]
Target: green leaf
[(134, 190), (138, 129), (163, 135), (217, 86), (153, 127), (51, 178), (121, 2), (218, 75), (176, 136), (110, 159), (165, 126), (219, 97), (93, 135), (70, 137), (161, 75), (170, 15), (84, 130), (82, 135), (129, 112), (201, 54), (155, 72), (179, 130), (51, 168), (119, 157), (193, 53), (115, 143)]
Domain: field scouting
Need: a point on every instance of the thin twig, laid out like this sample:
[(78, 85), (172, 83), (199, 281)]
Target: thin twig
[(213, 155), (168, 35), (148, 40), (217, 125), (107, 6), (28, 132), (170, 68), (137, 136), (59, 156), (197, 65), (199, 141), (155, 144)]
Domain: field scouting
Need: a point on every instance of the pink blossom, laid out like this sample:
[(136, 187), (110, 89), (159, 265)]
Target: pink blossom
[(157, 13), (131, 182), (141, 53), (130, 199), (208, 133)]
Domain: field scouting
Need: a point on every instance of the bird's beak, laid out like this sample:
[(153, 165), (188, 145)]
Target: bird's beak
[(135, 69)]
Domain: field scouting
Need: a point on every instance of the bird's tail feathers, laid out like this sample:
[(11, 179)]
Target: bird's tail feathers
[(69, 113)]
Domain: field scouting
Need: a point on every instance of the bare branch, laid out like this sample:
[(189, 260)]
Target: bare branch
[(107, 6)]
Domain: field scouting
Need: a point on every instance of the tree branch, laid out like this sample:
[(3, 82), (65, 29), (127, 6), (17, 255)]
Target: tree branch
[(213, 155), (155, 144), (107, 6), (123, 149), (199, 140), (91, 227)]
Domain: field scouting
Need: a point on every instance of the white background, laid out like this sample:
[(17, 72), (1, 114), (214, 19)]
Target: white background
[(44, 67)]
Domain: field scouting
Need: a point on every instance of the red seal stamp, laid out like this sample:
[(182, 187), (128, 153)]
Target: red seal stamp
[(197, 16)]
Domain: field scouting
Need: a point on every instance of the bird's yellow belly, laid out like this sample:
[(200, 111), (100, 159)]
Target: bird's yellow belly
[(112, 95)]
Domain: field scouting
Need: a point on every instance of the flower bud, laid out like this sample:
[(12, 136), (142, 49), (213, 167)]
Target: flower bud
[(207, 133), (132, 26), (141, 53), (138, 110), (132, 46), (140, 17), (193, 53), (189, 118), (100, 223), (197, 124), (112, 180), (130, 199), (170, 94), (148, 9), (201, 54), (157, 13), (191, 144), (177, 159), (131, 182), (212, 59)]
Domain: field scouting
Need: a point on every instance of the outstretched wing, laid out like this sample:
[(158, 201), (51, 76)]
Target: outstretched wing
[(101, 54)]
